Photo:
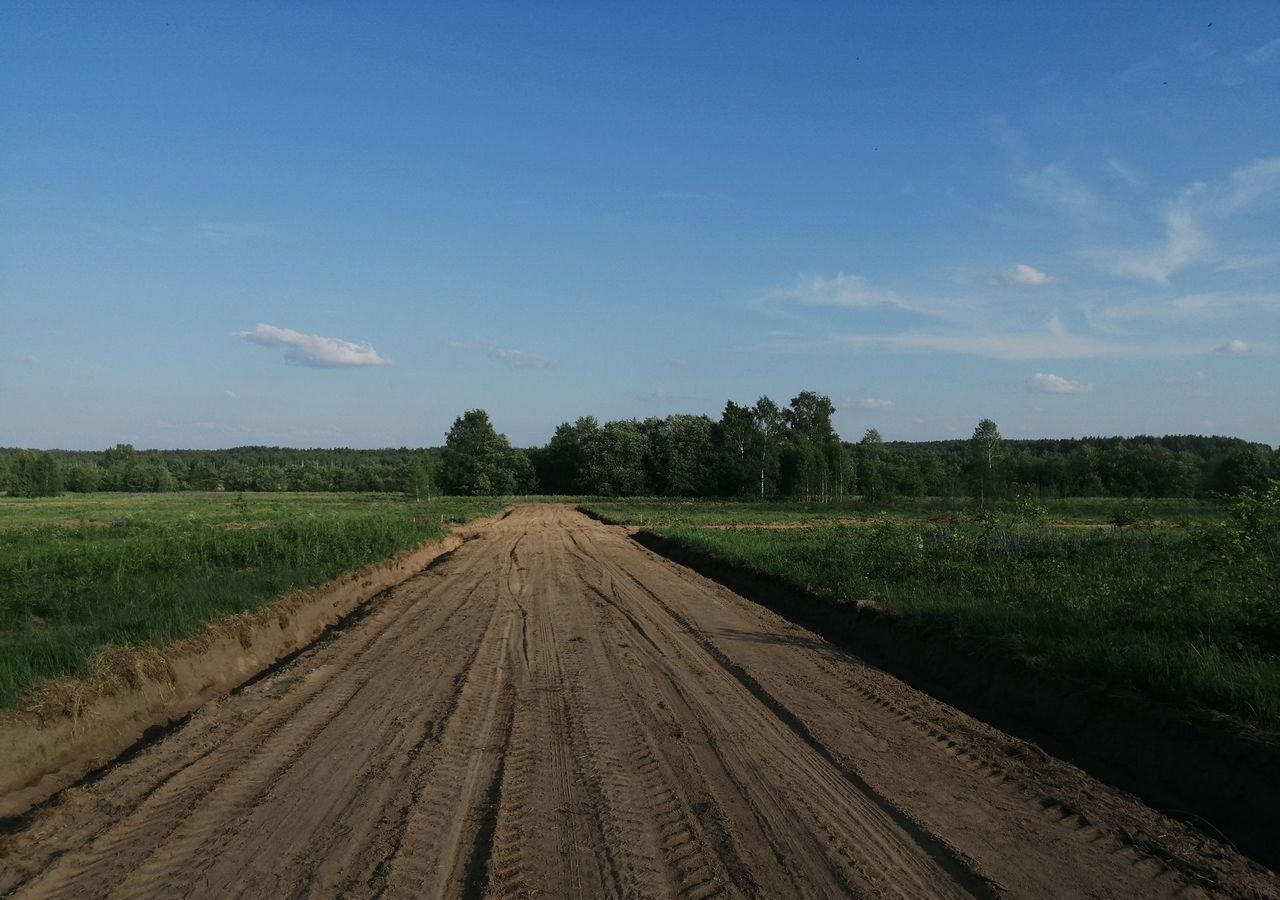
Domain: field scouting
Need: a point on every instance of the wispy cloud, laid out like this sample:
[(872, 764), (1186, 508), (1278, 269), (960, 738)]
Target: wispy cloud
[(1055, 342), (1236, 346), (1022, 275), (518, 358), (1054, 185), (1056, 384), (1217, 305), (1193, 378), (227, 232), (1187, 239), (871, 403), (314, 350), (1267, 53), (1125, 173), (844, 291), (1185, 243), (231, 395), (1253, 185)]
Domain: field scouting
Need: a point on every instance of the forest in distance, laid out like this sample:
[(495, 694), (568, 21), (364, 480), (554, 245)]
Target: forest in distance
[(760, 451)]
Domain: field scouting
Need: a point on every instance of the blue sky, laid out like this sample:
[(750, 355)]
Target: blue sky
[(342, 225)]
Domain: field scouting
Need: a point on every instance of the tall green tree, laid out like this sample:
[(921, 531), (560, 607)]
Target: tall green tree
[(613, 460), (478, 461), (682, 454), (813, 455), (420, 477), (985, 456), (561, 465), (770, 429), (872, 482), (35, 475), (735, 439)]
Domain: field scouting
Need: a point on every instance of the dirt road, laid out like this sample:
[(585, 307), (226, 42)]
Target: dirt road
[(553, 711)]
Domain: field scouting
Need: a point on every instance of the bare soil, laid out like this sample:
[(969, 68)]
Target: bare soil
[(554, 711)]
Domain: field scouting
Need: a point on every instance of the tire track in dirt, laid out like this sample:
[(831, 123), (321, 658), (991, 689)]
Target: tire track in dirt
[(555, 711)]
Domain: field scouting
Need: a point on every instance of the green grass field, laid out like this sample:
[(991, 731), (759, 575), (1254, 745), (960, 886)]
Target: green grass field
[(81, 572), (1185, 614), (666, 513)]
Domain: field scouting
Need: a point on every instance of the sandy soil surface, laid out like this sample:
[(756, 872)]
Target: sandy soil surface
[(554, 711)]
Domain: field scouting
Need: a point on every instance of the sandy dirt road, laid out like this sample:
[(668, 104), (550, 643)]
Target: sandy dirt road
[(553, 711)]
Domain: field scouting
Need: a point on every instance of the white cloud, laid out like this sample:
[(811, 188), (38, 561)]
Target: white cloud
[(517, 358), (1056, 384), (231, 395), (1252, 185), (1053, 185), (1268, 52), (1023, 275), (844, 291), (873, 404), (1236, 346), (314, 350)]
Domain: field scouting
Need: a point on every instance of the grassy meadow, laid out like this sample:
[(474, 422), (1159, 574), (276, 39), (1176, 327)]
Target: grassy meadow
[(1188, 613), (80, 572), (1078, 511)]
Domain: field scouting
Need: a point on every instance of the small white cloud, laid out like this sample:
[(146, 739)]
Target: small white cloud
[(231, 395), (1023, 275), (844, 291), (873, 404), (517, 358), (1056, 384), (314, 350), (1268, 52), (1236, 346)]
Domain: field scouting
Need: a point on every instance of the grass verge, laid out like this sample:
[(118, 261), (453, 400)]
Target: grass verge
[(78, 576)]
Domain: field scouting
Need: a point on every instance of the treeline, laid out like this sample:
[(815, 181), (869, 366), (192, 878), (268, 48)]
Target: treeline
[(123, 468), (763, 450)]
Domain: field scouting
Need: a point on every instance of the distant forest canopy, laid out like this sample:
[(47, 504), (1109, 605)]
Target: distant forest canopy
[(758, 451)]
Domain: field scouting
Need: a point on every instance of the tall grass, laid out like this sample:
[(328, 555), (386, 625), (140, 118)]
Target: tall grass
[(148, 571), (1165, 612)]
